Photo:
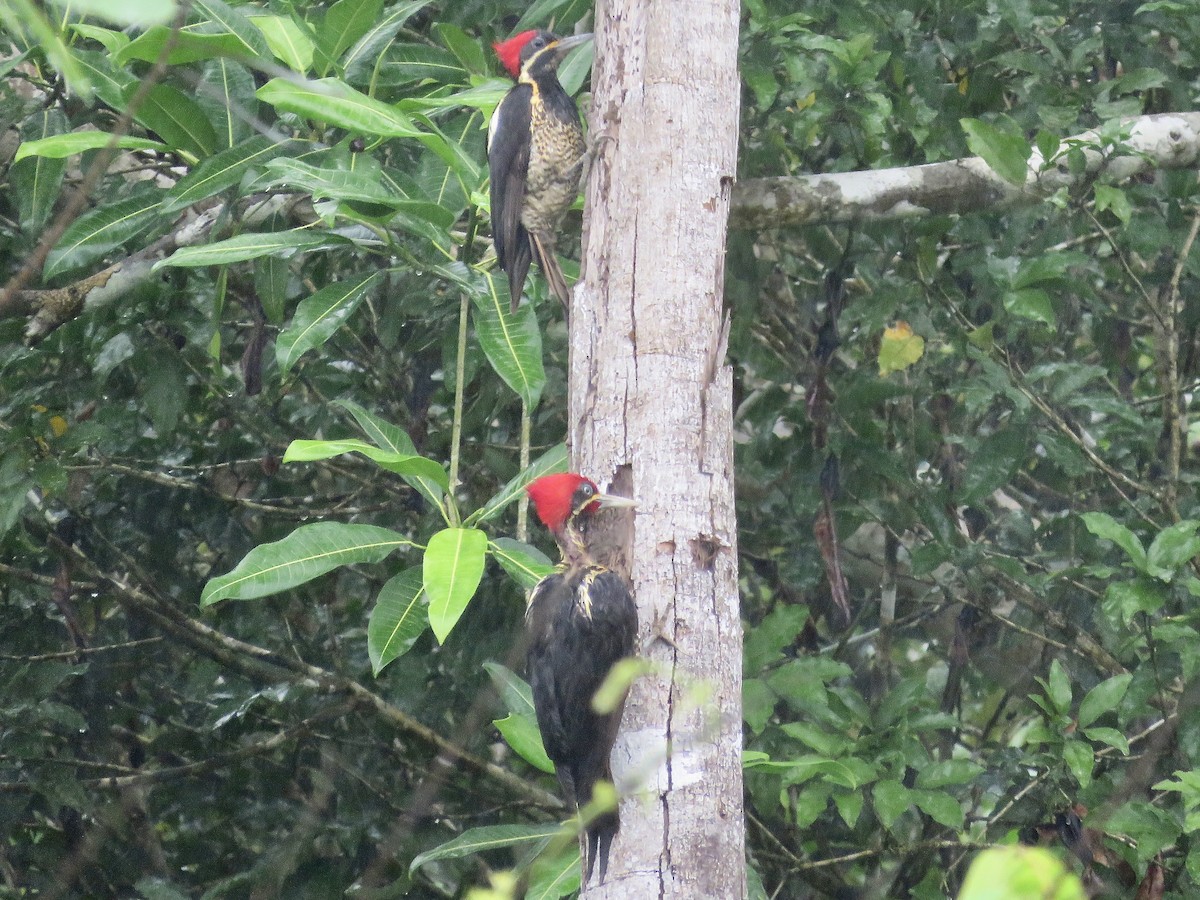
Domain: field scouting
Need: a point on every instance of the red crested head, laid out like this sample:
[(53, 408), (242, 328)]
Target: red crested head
[(555, 496), (509, 52)]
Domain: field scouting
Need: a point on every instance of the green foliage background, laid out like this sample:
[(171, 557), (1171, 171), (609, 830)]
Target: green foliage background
[(1019, 489)]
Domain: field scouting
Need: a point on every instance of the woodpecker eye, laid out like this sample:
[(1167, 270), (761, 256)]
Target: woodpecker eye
[(538, 42)]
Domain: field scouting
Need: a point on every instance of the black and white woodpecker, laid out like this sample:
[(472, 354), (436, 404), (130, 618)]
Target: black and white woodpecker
[(535, 156), (581, 620)]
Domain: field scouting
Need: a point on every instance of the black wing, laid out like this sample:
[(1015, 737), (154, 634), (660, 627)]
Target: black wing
[(508, 165)]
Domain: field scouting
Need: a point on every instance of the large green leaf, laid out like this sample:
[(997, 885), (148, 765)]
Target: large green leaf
[(511, 341), (226, 94), (391, 437), (253, 245), (36, 181), (225, 18), (330, 183), (1002, 146), (1009, 873), (345, 24), (527, 565), (309, 551), (398, 619), (177, 119), (319, 316), (288, 39), (334, 102), (1102, 525), (490, 837), (553, 460), (224, 170), (62, 145), (103, 229), (360, 61), (186, 46), (416, 466), (1103, 698), (1173, 547), (453, 567), (555, 875)]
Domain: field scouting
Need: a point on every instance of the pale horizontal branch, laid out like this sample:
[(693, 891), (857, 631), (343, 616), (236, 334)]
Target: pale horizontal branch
[(961, 186)]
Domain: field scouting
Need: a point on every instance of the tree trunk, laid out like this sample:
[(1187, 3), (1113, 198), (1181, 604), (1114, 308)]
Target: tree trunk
[(651, 412)]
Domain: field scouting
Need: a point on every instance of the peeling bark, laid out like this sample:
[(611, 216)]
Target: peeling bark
[(650, 410)]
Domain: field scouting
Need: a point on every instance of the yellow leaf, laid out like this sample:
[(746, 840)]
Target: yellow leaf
[(58, 425), (900, 348)]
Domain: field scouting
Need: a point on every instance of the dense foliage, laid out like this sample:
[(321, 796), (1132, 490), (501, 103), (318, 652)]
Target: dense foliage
[(981, 422)]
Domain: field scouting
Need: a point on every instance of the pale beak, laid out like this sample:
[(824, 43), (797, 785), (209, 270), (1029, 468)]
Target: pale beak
[(612, 501), (567, 44)]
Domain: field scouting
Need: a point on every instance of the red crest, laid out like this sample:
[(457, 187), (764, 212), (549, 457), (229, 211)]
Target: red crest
[(509, 52), (551, 496)]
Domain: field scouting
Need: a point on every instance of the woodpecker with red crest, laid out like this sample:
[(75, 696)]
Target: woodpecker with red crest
[(535, 157), (581, 620)]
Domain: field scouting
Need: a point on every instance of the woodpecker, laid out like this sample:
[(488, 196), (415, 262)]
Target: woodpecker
[(535, 157), (580, 621)]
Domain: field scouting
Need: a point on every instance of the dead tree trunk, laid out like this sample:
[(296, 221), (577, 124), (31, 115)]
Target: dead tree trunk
[(651, 410)]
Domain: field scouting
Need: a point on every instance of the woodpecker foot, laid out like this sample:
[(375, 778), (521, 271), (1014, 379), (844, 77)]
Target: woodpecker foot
[(595, 140), (658, 631)]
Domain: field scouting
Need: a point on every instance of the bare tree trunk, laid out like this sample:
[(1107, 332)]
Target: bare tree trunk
[(651, 411)]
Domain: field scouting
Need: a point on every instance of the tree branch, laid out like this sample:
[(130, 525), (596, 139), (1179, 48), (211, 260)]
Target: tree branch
[(961, 186)]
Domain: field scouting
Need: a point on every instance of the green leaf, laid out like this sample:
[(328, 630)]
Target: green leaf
[(1104, 697), (555, 875), (1114, 200), (290, 43), (490, 837), (252, 245), (335, 103), (1080, 759), (391, 437), (398, 619), (468, 49), (899, 348), (345, 23), (224, 170), (512, 688), (306, 553), (112, 40), (319, 316), (1125, 599), (186, 46), (336, 184), (1058, 688), (96, 233), (1102, 525), (891, 799), (453, 567), (525, 564), (1109, 736), (1009, 873), (177, 119), (849, 805), (1030, 303), (947, 772), (360, 61), (228, 19), (405, 64), (1173, 548), (940, 807), (1001, 146), (417, 466), (513, 345), (60, 146), (226, 94), (553, 460), (37, 180), (523, 736)]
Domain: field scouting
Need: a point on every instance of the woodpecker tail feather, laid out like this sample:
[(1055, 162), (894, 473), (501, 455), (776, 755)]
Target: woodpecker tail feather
[(518, 269), (600, 834), (543, 249)]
